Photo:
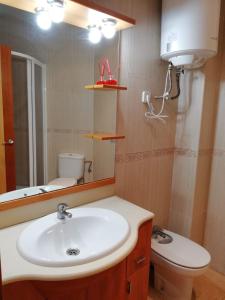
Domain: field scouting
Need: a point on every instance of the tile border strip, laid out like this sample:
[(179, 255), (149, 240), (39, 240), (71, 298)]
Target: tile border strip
[(139, 156)]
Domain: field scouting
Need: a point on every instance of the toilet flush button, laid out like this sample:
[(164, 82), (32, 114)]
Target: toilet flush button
[(162, 237)]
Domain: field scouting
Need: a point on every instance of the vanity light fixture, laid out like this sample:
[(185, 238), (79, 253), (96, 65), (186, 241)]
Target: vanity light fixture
[(106, 28), (56, 10), (109, 28), (95, 34), (49, 11), (43, 18)]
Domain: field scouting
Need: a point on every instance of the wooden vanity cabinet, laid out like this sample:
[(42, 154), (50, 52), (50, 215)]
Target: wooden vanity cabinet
[(109, 284), (138, 265), (126, 281)]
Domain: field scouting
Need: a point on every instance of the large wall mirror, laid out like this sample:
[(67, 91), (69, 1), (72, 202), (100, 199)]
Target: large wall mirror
[(52, 111)]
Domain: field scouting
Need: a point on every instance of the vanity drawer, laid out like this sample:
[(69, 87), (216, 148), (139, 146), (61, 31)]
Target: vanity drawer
[(140, 256)]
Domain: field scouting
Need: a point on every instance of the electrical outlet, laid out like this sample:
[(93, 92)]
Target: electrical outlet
[(146, 96)]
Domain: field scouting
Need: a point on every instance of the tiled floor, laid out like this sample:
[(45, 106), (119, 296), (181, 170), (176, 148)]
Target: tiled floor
[(210, 286)]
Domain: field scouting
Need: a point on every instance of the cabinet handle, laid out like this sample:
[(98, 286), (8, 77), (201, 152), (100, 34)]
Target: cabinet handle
[(140, 260), (128, 287)]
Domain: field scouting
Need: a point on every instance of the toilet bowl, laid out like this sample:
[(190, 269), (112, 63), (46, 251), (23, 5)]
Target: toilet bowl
[(176, 264), (64, 182)]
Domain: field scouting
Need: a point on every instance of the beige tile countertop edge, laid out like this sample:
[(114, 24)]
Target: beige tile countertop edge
[(15, 268)]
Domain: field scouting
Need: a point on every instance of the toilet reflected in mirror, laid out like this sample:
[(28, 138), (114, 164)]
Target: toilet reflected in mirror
[(71, 170)]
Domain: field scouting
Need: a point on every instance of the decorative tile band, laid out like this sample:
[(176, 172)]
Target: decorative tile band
[(56, 130), (138, 156), (131, 157), (68, 131), (192, 153), (219, 152)]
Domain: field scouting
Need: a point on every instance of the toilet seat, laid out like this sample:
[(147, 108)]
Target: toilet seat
[(65, 182), (182, 252)]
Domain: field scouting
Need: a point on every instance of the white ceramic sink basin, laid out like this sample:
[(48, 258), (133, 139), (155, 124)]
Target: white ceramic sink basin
[(90, 234)]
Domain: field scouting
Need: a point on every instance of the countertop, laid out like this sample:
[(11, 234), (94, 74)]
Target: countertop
[(15, 268)]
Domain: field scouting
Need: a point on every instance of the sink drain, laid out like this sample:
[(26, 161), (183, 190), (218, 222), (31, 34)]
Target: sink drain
[(73, 251)]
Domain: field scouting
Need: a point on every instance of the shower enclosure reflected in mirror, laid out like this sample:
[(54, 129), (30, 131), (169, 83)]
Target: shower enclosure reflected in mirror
[(51, 109), (30, 120)]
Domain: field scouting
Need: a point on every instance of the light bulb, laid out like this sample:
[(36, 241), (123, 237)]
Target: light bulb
[(109, 28), (56, 13), (43, 19), (94, 35), (108, 31)]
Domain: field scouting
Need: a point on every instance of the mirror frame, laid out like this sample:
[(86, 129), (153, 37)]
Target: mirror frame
[(78, 188), (55, 194)]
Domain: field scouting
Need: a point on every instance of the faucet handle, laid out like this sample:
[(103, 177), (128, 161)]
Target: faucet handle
[(61, 211), (62, 207)]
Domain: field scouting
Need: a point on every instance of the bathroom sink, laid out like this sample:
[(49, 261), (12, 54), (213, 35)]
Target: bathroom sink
[(90, 234)]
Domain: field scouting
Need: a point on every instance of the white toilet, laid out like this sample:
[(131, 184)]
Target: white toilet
[(70, 169), (176, 264)]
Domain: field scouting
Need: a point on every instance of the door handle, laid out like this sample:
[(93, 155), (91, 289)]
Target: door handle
[(9, 142)]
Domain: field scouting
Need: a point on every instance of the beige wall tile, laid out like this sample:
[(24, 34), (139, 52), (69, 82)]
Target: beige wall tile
[(183, 189)]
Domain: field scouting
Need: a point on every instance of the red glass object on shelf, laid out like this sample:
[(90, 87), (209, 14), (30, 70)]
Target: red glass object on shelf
[(102, 71), (100, 82), (102, 66), (111, 81)]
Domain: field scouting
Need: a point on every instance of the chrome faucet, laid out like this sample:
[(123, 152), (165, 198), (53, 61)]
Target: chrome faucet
[(61, 211)]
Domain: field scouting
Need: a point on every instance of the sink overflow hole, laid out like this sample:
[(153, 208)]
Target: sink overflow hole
[(73, 251)]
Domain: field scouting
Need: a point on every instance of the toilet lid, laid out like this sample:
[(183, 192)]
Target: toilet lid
[(65, 182), (182, 252)]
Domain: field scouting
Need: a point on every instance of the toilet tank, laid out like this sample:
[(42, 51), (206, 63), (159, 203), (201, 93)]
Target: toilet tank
[(71, 165)]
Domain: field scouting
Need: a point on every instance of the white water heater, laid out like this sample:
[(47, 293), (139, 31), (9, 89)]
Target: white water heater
[(189, 31)]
